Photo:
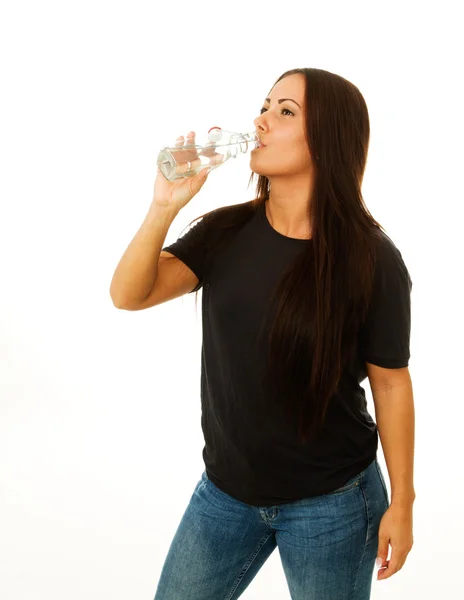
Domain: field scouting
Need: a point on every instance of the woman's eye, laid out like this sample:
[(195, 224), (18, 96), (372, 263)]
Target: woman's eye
[(264, 109)]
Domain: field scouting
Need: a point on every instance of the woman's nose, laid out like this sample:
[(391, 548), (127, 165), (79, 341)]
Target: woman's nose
[(259, 123)]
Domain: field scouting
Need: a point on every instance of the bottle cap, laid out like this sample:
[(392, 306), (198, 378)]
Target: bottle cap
[(215, 134)]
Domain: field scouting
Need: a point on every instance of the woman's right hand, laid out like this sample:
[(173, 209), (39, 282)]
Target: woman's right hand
[(177, 193)]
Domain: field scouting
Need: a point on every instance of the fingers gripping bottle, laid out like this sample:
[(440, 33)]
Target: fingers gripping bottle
[(183, 160)]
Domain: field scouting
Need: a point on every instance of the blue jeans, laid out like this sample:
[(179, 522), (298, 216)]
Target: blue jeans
[(327, 544)]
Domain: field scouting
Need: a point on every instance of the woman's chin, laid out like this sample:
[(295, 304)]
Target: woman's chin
[(256, 169), (260, 172)]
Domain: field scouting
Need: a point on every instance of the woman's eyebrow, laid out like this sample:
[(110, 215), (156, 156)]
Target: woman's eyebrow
[(283, 100)]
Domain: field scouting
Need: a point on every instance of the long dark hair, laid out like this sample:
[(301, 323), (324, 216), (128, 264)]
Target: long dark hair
[(322, 298)]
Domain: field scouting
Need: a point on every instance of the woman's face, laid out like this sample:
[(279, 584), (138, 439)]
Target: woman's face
[(281, 128)]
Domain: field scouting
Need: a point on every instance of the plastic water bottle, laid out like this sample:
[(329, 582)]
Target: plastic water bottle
[(185, 160)]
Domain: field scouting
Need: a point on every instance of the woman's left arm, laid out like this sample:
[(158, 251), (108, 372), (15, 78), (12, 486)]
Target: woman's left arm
[(394, 409)]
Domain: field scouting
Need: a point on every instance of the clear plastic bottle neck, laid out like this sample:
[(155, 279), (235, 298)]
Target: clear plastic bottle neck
[(221, 137)]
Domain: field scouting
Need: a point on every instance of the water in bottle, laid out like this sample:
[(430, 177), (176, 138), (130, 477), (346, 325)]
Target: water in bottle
[(179, 161)]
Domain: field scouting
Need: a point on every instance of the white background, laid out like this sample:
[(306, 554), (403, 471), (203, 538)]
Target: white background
[(100, 435)]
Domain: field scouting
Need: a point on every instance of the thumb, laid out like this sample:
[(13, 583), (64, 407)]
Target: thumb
[(200, 178), (382, 551), (196, 182)]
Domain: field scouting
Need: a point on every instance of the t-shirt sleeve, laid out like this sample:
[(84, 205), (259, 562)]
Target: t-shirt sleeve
[(385, 334), (191, 249)]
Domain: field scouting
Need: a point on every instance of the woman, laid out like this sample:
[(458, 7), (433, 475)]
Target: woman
[(303, 297)]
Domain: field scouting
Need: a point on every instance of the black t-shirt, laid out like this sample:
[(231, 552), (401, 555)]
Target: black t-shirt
[(250, 452)]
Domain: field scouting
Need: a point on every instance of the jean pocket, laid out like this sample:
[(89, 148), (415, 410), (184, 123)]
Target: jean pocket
[(349, 485), (382, 481)]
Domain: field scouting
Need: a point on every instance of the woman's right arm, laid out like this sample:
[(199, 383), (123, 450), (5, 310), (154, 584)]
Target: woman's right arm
[(138, 270)]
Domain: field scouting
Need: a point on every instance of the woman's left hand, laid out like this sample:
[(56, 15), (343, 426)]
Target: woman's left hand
[(395, 528)]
